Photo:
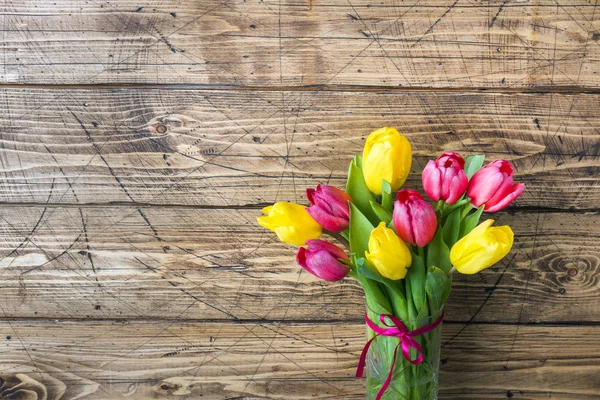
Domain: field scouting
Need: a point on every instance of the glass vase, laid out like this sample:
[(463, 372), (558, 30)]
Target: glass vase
[(409, 381)]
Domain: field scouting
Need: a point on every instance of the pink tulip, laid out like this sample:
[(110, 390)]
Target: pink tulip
[(445, 178), (329, 207), (321, 259), (493, 186), (414, 218)]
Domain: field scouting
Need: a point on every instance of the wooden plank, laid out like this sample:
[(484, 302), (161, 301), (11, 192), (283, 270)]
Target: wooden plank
[(433, 43), (231, 148), (169, 263), (141, 360)]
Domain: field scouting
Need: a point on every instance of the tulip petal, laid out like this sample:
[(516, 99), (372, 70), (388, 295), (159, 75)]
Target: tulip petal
[(301, 257), (291, 223), (322, 245), (338, 201), (484, 184), (387, 155), (502, 191), (515, 192), (310, 193), (329, 207), (456, 186), (483, 247), (445, 178), (432, 181), (387, 253), (414, 219), (424, 223), (403, 222), (475, 261), (321, 259), (325, 266), (480, 229), (264, 222), (327, 221)]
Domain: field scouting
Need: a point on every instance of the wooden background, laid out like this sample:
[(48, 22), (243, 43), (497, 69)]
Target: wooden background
[(139, 140)]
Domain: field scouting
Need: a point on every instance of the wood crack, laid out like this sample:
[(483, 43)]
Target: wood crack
[(564, 89)]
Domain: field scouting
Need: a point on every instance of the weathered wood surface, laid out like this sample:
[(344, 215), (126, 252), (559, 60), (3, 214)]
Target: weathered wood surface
[(433, 43), (147, 135), (231, 148), (180, 264), (173, 359)]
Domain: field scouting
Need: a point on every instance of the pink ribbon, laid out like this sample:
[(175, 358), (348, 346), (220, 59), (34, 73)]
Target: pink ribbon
[(399, 330)]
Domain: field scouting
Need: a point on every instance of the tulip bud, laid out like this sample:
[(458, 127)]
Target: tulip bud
[(388, 253), (290, 222), (387, 155), (493, 186), (414, 218), (445, 178), (321, 259), (329, 207), (481, 248)]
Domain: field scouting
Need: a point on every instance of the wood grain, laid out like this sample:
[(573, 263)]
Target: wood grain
[(139, 140), (158, 359), (433, 43), (186, 264), (231, 148)]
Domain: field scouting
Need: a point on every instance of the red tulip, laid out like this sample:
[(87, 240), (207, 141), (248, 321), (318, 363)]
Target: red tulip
[(414, 218), (445, 178), (321, 259), (329, 207), (493, 186)]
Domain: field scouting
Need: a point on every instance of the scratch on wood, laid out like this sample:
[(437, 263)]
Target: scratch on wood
[(496, 16), (87, 244), (435, 23)]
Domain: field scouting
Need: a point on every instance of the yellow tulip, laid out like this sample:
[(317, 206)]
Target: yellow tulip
[(291, 222), (387, 155), (483, 247), (388, 253)]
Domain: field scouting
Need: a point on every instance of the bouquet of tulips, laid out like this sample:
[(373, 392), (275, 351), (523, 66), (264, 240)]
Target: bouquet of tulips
[(403, 252)]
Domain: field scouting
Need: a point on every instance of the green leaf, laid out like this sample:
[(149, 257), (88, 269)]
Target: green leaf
[(438, 253), (451, 227), (366, 269), (437, 286), (382, 213), (416, 274), (470, 222), (473, 164), (375, 296), (360, 230), (410, 305), (359, 192), (394, 288), (424, 311), (386, 196)]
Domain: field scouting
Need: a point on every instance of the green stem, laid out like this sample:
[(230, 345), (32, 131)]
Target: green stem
[(345, 234), (340, 238), (412, 315), (421, 251), (454, 206), (398, 302), (466, 211)]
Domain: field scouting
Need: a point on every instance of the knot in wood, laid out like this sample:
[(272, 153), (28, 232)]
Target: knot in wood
[(160, 128)]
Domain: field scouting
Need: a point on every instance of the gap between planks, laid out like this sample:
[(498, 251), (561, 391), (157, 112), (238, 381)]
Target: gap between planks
[(258, 206), (278, 322), (309, 88)]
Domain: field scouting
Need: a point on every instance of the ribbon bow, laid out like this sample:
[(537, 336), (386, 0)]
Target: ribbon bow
[(399, 330)]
